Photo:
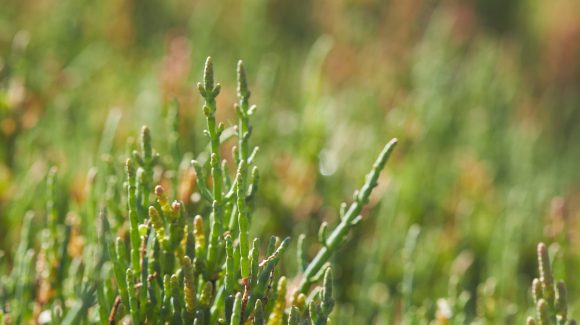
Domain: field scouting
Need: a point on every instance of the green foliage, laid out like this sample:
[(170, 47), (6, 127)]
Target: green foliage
[(167, 266), (485, 167), (549, 296)]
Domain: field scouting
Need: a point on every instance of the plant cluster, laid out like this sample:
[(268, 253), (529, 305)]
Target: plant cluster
[(550, 297), (162, 261)]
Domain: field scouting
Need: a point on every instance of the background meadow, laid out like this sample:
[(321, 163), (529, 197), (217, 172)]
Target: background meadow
[(483, 96)]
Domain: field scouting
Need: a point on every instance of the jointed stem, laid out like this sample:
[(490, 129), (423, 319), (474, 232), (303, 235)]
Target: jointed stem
[(338, 235)]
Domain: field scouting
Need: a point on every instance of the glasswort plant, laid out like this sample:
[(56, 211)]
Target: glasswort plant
[(165, 261), (549, 296)]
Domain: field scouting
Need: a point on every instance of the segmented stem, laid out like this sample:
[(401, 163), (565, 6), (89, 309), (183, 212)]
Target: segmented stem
[(339, 233)]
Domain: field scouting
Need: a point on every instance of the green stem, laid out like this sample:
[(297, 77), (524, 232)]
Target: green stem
[(338, 235), (132, 205)]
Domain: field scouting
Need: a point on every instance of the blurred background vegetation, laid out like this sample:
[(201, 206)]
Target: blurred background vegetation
[(484, 96)]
